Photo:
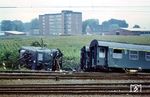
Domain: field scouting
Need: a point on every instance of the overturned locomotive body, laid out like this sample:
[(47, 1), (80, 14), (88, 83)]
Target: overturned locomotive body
[(37, 58), (108, 56)]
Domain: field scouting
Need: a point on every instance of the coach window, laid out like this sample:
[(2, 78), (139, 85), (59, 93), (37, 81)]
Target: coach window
[(117, 53), (101, 53), (133, 55), (147, 56)]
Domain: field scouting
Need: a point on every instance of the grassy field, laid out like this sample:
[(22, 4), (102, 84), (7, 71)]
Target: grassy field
[(69, 45)]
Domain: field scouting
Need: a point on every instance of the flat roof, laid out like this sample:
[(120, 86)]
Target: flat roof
[(42, 49), (70, 11), (53, 14), (63, 11), (136, 29), (14, 32), (118, 45)]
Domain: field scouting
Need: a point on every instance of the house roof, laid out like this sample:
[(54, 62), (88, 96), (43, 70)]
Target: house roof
[(15, 32), (136, 29), (118, 45)]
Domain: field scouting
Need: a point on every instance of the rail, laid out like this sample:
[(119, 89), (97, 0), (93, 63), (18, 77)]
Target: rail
[(93, 88)]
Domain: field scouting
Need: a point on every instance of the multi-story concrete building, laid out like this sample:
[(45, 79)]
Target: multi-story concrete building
[(66, 22)]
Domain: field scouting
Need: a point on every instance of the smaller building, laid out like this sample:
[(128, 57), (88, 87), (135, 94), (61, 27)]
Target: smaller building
[(8, 33), (2, 34), (34, 32), (130, 31)]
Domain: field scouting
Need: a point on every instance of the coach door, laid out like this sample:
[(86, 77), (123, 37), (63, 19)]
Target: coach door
[(93, 57), (102, 56)]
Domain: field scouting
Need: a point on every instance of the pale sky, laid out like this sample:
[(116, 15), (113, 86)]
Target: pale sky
[(133, 11)]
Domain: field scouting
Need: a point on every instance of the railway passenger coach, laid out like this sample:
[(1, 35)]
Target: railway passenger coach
[(104, 55)]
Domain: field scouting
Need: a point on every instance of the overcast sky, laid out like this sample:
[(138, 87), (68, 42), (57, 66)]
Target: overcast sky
[(133, 11)]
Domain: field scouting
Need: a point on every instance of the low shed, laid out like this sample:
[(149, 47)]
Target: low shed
[(130, 31), (7, 33)]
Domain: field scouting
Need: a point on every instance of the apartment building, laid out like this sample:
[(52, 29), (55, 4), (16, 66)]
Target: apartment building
[(66, 22)]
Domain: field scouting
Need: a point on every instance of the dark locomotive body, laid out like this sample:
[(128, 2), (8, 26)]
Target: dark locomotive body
[(84, 58), (37, 58), (109, 56)]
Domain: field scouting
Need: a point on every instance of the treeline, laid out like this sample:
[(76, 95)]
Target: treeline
[(18, 25), (88, 26), (93, 25)]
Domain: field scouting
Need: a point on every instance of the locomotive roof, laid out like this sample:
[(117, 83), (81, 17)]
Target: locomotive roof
[(119, 45), (37, 48)]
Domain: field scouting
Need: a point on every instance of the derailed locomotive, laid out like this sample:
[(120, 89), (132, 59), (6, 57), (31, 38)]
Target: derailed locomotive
[(109, 56), (37, 58)]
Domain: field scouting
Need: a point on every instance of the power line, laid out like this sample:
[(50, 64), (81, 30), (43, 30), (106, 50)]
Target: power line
[(7, 7), (73, 6)]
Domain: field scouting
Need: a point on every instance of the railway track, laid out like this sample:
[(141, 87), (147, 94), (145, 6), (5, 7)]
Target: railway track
[(88, 83), (95, 88), (73, 75), (57, 72)]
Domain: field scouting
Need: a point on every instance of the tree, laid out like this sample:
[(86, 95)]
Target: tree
[(113, 27), (39, 44), (15, 25), (136, 26), (34, 23), (93, 24), (18, 25), (113, 24), (27, 26), (105, 26), (121, 23), (6, 25)]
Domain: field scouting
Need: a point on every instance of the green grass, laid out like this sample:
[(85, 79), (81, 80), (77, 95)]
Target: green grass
[(69, 45)]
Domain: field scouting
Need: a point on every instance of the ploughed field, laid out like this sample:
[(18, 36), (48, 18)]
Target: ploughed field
[(73, 84), (69, 45)]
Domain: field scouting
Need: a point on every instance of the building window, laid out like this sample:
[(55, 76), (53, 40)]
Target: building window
[(58, 19), (117, 53), (51, 16), (58, 16), (147, 56), (43, 19), (69, 30), (68, 15), (43, 24), (101, 53), (68, 22), (51, 23), (69, 26), (133, 55), (69, 18)]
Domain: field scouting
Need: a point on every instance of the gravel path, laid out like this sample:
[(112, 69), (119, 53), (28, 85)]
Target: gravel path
[(74, 96), (18, 81)]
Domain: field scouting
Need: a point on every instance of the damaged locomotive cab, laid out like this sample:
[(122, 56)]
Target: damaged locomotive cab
[(37, 58)]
